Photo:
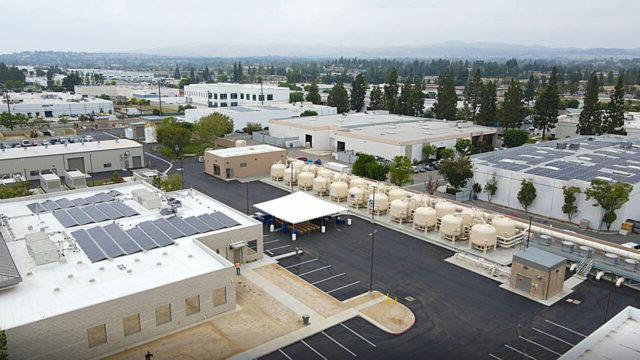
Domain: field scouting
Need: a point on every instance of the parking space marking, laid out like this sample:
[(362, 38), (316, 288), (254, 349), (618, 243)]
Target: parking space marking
[(269, 242), (566, 328), (314, 350), (285, 355), (269, 251), (300, 263), (312, 271), (279, 247), (337, 343), (358, 335), (520, 352), (329, 278), (554, 337), (342, 287), (540, 345), (495, 357)]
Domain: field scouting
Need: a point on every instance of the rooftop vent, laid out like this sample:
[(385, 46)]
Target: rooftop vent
[(626, 145), (574, 146), (561, 145)]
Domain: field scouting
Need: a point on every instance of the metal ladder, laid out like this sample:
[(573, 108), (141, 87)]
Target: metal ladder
[(584, 266)]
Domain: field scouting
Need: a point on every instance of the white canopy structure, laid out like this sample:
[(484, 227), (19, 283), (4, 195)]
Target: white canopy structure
[(299, 207)]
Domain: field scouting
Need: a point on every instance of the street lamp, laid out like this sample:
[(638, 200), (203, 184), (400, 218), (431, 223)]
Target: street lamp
[(373, 239), (373, 205), (181, 169)]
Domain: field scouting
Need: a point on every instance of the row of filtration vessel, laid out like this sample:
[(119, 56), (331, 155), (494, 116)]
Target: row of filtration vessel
[(454, 223)]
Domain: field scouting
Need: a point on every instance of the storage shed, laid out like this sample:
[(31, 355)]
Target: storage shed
[(538, 273), (75, 179), (50, 182)]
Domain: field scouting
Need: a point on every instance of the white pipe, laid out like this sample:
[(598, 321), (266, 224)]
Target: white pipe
[(619, 281), (599, 275), (573, 267)]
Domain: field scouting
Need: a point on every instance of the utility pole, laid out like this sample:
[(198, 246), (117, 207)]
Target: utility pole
[(262, 93), (160, 96), (6, 94), (373, 205), (373, 240), (529, 232)]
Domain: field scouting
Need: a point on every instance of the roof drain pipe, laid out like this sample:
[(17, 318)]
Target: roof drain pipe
[(599, 275)]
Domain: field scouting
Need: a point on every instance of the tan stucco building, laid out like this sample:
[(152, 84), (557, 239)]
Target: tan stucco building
[(242, 161), (538, 273)]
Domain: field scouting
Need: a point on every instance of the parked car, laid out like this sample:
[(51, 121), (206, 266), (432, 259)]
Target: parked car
[(45, 142), (63, 140), (415, 169), (25, 143), (54, 141), (74, 139), (303, 158), (318, 162), (35, 143), (88, 138)]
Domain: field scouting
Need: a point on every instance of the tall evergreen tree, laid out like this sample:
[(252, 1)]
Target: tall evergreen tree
[(547, 105), (488, 105), (512, 111), (206, 74), (447, 99), (339, 98), (614, 118), (403, 104), (240, 73), (391, 91), (376, 99), (313, 95), (472, 95), (176, 73), (416, 100), (192, 74), (358, 92), (590, 121), (530, 89)]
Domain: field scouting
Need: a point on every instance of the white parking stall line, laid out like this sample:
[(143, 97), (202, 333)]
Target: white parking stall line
[(285, 354), (337, 343), (358, 335), (300, 263), (566, 328), (312, 271), (554, 337), (540, 345), (495, 357), (279, 247), (520, 352), (269, 242), (314, 350), (329, 278), (269, 251), (342, 287)]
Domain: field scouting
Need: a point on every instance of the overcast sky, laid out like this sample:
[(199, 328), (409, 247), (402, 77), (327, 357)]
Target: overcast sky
[(125, 25)]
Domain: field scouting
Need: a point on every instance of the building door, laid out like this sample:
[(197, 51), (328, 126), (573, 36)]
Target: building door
[(308, 139), (229, 173), (216, 170), (76, 163), (237, 255), (341, 146), (137, 162), (523, 283)]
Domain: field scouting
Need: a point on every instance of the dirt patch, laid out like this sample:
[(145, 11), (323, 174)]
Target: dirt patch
[(396, 317), (306, 293)]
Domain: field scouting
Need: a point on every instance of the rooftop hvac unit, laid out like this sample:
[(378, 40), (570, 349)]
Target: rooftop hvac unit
[(574, 146), (561, 145), (626, 145)]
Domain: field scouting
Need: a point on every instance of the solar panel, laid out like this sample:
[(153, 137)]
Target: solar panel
[(93, 252), (50, 205), (144, 241), (64, 218), (226, 220), (124, 209), (109, 211), (65, 203), (168, 229), (36, 208), (110, 248), (183, 226), (154, 233), (93, 199), (104, 196), (198, 224), (80, 201), (122, 239), (95, 214), (79, 216), (114, 193), (211, 221)]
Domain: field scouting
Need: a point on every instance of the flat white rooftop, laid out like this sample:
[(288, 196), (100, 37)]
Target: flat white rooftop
[(60, 149), (53, 99), (244, 150), (60, 287), (235, 86)]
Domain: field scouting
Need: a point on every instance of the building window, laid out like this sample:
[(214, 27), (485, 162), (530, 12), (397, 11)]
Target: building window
[(192, 305), (243, 164), (219, 296), (97, 335), (215, 96), (234, 95), (248, 97), (261, 98), (253, 97), (107, 165), (269, 96), (163, 314), (34, 172), (253, 246), (216, 169), (131, 324), (233, 103), (223, 104), (241, 98), (223, 96)]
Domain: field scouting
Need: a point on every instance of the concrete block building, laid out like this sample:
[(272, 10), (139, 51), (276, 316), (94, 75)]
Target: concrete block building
[(55, 105), (237, 162), (230, 94), (538, 273)]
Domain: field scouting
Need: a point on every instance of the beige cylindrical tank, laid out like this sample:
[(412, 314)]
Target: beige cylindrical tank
[(504, 226), (320, 185), (483, 236), (357, 197), (338, 191), (341, 177), (467, 216), (277, 171), (424, 217), (357, 181), (444, 208), (324, 172), (378, 203), (310, 168), (288, 177), (396, 193), (305, 180), (399, 210), (450, 225), (241, 143), (298, 165)]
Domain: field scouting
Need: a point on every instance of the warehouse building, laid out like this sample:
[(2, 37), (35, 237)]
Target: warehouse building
[(98, 272), (379, 133), (554, 164), (140, 91), (229, 94), (238, 162), (87, 157), (55, 105)]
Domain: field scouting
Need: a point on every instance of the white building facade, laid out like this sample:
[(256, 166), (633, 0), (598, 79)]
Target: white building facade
[(228, 94), (55, 105)]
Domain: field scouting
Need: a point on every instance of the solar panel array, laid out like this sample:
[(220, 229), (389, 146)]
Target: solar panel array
[(64, 203), (89, 214), (110, 241)]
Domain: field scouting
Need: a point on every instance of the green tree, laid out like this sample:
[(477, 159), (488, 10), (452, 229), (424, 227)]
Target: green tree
[(171, 183), (4, 355), (403, 105), (391, 91), (313, 95), (512, 111), (614, 118), (70, 81), (308, 113), (339, 98), (546, 108), (176, 73), (367, 166), (14, 190), (296, 96), (491, 187), (184, 82), (157, 182), (590, 121), (456, 171), (569, 207), (446, 153), (415, 106), (213, 126), (376, 100), (115, 178), (530, 89), (429, 151), (464, 147), (253, 127), (377, 171), (358, 92), (514, 137), (400, 172), (172, 136), (445, 106), (12, 121), (488, 105), (527, 194), (472, 95), (610, 197), (206, 74)]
